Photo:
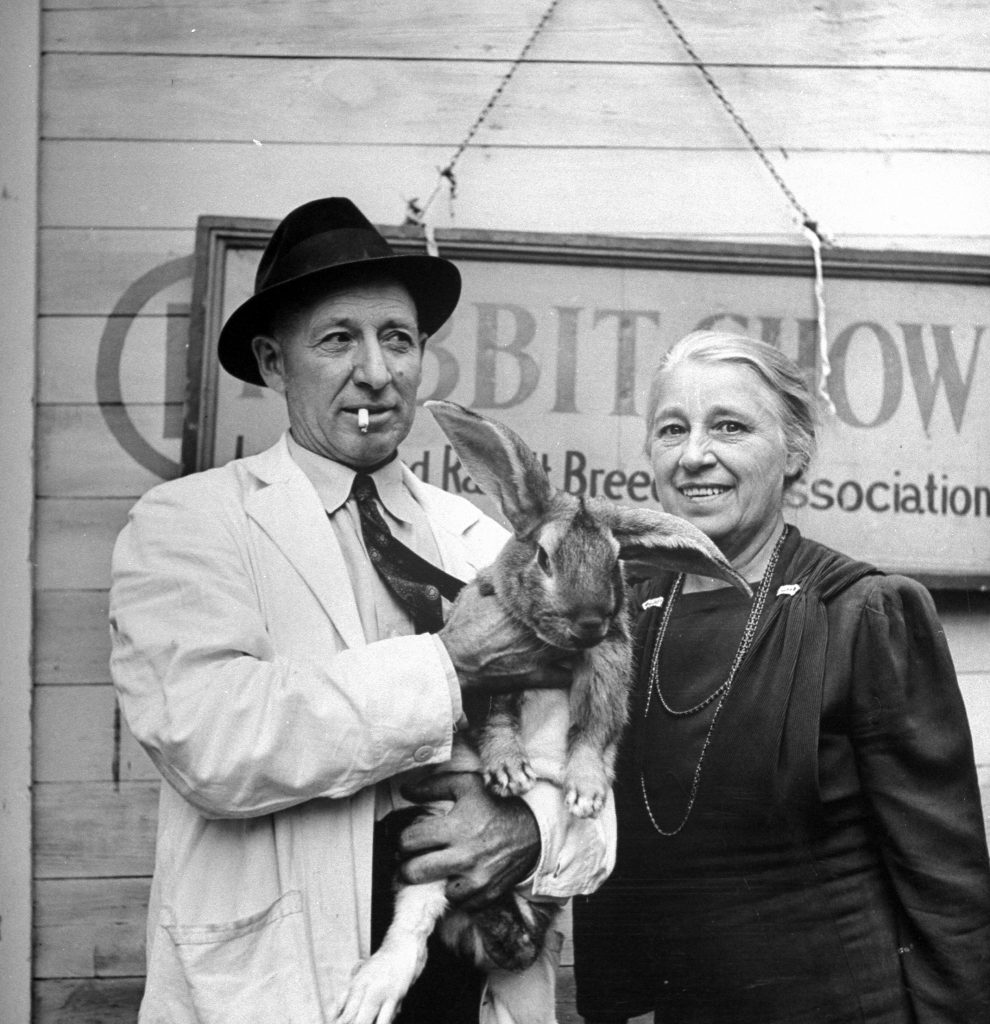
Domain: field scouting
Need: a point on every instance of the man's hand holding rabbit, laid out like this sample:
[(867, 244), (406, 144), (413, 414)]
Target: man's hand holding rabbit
[(494, 653), (483, 845)]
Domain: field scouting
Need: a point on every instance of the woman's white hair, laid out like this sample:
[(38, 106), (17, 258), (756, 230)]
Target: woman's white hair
[(793, 398)]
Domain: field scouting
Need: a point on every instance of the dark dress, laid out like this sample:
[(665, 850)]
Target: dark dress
[(833, 868)]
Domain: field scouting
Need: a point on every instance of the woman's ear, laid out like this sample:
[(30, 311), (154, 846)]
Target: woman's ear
[(794, 465), (271, 365)]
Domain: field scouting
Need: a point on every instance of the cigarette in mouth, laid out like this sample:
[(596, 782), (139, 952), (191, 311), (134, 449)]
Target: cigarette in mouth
[(363, 420)]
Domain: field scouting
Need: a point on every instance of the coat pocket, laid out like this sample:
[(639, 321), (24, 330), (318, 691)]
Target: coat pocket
[(254, 970)]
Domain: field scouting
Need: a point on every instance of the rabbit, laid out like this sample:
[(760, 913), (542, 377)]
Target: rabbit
[(561, 576)]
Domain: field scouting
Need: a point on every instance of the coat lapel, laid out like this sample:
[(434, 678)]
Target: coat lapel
[(287, 507), (450, 519)]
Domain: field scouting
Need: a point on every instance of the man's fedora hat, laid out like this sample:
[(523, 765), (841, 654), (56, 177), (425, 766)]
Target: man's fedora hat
[(330, 241)]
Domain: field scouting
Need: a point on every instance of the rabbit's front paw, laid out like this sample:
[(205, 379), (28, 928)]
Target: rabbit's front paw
[(585, 784), (505, 766), (510, 777)]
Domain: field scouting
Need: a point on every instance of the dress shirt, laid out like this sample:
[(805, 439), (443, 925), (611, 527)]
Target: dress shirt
[(382, 615)]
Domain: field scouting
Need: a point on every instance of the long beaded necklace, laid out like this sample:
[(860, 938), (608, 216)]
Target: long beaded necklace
[(720, 693)]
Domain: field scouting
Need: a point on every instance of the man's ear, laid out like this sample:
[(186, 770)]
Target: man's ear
[(268, 352)]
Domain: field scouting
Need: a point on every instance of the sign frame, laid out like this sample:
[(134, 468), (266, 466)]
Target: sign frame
[(217, 237)]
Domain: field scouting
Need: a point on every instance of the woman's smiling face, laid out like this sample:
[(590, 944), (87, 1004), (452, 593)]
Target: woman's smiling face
[(719, 454)]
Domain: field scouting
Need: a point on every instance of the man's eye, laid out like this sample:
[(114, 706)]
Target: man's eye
[(399, 341), (670, 430), (731, 427), (335, 339)]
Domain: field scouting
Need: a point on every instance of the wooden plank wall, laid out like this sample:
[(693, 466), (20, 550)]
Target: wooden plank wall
[(20, 35), (157, 111)]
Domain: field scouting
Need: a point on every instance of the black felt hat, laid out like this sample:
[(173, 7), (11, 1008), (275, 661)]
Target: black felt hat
[(331, 241)]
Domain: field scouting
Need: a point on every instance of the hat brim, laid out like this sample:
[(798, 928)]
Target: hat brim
[(433, 282)]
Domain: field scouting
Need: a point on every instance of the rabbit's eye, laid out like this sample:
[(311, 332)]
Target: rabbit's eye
[(542, 559)]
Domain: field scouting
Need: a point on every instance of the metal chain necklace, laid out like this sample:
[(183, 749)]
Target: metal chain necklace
[(720, 693)]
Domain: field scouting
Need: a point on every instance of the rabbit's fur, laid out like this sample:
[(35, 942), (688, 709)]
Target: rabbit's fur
[(561, 576)]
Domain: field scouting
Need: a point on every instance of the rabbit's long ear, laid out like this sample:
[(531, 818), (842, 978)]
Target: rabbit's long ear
[(652, 542), (500, 463)]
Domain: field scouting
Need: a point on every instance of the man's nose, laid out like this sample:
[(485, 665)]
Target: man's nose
[(370, 366)]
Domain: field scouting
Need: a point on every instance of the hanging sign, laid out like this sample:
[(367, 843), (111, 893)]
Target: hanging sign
[(558, 336)]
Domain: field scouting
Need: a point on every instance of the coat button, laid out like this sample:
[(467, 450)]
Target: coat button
[(423, 753)]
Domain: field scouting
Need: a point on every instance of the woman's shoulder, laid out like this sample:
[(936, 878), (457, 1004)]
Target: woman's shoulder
[(815, 567), (850, 583)]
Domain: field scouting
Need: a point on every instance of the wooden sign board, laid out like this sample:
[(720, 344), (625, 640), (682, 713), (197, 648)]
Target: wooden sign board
[(558, 335)]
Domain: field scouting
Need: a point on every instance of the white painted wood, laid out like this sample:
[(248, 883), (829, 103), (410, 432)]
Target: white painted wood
[(82, 738), (68, 360), (94, 829), (79, 456), (899, 197), (975, 687), (75, 537), (893, 32), (90, 926), (89, 271), (88, 1001), (19, 64), (581, 104), (71, 637)]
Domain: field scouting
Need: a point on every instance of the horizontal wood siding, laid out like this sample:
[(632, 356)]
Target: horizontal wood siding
[(845, 33), (547, 105), (866, 199), (158, 111)]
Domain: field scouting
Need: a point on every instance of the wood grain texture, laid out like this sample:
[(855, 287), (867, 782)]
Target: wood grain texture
[(90, 927), (92, 1001), (80, 736), (85, 271), (79, 455), (75, 538), (577, 104), (151, 369), (889, 198), (94, 829), (71, 637), (839, 32)]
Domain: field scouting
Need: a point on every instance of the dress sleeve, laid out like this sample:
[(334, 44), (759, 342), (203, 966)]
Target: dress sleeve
[(238, 724), (915, 758)]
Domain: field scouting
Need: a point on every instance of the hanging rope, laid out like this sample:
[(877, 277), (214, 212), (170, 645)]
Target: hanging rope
[(815, 235), (805, 217), (824, 366), (414, 212)]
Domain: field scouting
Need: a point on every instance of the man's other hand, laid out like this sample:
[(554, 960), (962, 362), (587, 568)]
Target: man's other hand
[(483, 846)]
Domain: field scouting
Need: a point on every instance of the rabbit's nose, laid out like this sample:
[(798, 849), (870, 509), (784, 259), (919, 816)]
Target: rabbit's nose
[(590, 629)]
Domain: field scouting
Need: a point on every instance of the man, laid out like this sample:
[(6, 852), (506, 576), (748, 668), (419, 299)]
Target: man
[(284, 678)]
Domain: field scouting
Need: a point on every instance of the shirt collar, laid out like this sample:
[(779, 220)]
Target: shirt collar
[(333, 482)]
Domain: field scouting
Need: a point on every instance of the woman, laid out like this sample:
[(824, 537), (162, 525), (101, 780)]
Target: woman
[(800, 834)]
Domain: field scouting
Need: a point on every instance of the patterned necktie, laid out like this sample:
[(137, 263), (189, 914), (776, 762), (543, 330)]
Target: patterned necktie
[(416, 583)]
